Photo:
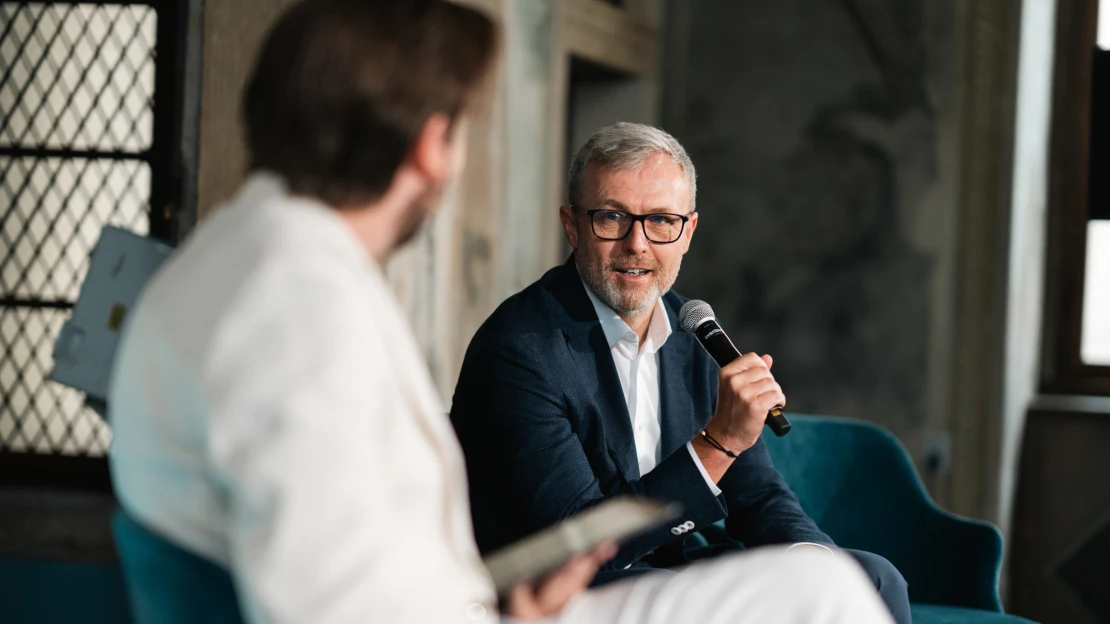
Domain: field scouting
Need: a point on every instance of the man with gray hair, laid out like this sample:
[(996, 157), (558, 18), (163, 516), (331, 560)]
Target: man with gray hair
[(578, 388)]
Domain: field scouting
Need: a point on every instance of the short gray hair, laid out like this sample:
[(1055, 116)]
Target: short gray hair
[(623, 146)]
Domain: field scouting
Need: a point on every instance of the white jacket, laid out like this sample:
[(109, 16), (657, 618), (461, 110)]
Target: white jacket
[(272, 412)]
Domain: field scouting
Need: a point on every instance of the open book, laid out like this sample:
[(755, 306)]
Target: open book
[(616, 519)]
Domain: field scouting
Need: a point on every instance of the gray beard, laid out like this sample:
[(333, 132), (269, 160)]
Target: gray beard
[(607, 291)]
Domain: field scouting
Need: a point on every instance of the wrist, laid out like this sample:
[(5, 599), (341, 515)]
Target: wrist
[(714, 462), (734, 442), (722, 444), (703, 449)]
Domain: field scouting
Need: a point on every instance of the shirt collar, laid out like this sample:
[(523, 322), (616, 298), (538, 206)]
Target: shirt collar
[(267, 188), (659, 328)]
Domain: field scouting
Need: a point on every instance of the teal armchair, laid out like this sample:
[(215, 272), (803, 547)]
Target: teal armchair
[(860, 486), (167, 584)]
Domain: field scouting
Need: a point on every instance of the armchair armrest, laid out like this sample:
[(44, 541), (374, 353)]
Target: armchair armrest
[(860, 486), (960, 562)]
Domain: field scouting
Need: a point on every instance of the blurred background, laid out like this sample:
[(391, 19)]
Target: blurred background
[(901, 200)]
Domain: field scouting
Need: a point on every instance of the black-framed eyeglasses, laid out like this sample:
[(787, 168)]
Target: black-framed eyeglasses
[(659, 227)]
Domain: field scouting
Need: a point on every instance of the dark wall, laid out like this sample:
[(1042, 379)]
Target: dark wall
[(823, 137), (56, 524)]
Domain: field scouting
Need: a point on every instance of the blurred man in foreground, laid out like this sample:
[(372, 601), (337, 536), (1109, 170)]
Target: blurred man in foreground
[(271, 410)]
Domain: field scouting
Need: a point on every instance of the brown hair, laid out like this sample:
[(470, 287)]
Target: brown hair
[(343, 87)]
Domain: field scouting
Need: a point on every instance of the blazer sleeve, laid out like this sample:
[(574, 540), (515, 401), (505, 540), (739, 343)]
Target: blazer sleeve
[(762, 509), (509, 407)]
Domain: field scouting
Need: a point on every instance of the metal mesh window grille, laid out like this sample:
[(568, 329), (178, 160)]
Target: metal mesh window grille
[(76, 132), (77, 76)]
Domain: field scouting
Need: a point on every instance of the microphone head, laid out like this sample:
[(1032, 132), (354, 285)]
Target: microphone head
[(693, 313)]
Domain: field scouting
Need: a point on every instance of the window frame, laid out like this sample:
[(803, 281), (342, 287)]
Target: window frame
[(1063, 370), (169, 186)]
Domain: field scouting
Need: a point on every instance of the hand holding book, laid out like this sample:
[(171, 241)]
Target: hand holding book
[(612, 521)]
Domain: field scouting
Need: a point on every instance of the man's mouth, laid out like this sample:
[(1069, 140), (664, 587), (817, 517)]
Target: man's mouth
[(633, 272)]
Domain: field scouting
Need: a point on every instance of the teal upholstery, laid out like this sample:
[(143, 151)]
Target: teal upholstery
[(940, 614), (860, 486), (170, 585), (47, 591)]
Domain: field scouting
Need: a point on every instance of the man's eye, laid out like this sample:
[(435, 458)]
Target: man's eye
[(612, 216), (659, 220)]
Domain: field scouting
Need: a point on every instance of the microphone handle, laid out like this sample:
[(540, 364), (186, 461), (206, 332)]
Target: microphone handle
[(721, 349)]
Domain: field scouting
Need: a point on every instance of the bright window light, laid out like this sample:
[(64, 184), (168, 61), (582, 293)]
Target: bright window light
[(1104, 24), (1095, 346)]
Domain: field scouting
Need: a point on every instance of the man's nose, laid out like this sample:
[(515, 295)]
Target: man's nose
[(636, 241)]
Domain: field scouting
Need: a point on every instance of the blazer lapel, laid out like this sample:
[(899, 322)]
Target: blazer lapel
[(593, 362), (678, 423), (596, 370)]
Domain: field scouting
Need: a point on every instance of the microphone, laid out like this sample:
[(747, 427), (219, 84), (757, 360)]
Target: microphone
[(696, 317)]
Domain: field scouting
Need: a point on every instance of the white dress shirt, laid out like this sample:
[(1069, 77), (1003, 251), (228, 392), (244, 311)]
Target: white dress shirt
[(272, 412), (638, 369)]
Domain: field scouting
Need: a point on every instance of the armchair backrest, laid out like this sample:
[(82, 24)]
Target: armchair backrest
[(167, 584), (860, 486)]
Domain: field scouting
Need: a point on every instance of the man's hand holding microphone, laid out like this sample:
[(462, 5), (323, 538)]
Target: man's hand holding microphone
[(746, 392)]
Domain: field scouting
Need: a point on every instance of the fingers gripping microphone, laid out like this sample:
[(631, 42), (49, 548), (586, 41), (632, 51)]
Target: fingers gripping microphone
[(696, 317)]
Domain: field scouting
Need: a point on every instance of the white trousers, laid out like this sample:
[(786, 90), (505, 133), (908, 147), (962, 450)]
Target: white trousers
[(762, 586)]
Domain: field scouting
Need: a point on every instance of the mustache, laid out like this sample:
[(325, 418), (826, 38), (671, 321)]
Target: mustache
[(632, 263)]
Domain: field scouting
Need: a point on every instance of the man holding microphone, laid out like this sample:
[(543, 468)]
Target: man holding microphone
[(583, 387)]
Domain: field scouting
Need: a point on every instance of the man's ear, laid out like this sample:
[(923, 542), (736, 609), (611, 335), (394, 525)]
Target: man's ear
[(433, 152), (570, 225)]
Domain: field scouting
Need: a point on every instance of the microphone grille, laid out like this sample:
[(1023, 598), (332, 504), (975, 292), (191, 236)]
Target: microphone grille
[(693, 313)]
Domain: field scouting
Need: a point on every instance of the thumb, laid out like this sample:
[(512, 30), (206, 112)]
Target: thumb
[(521, 603), (604, 552), (767, 358)]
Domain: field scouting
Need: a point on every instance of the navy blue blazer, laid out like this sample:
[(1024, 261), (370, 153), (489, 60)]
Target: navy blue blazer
[(544, 425)]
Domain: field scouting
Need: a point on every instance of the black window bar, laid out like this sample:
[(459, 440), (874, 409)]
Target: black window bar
[(89, 131)]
